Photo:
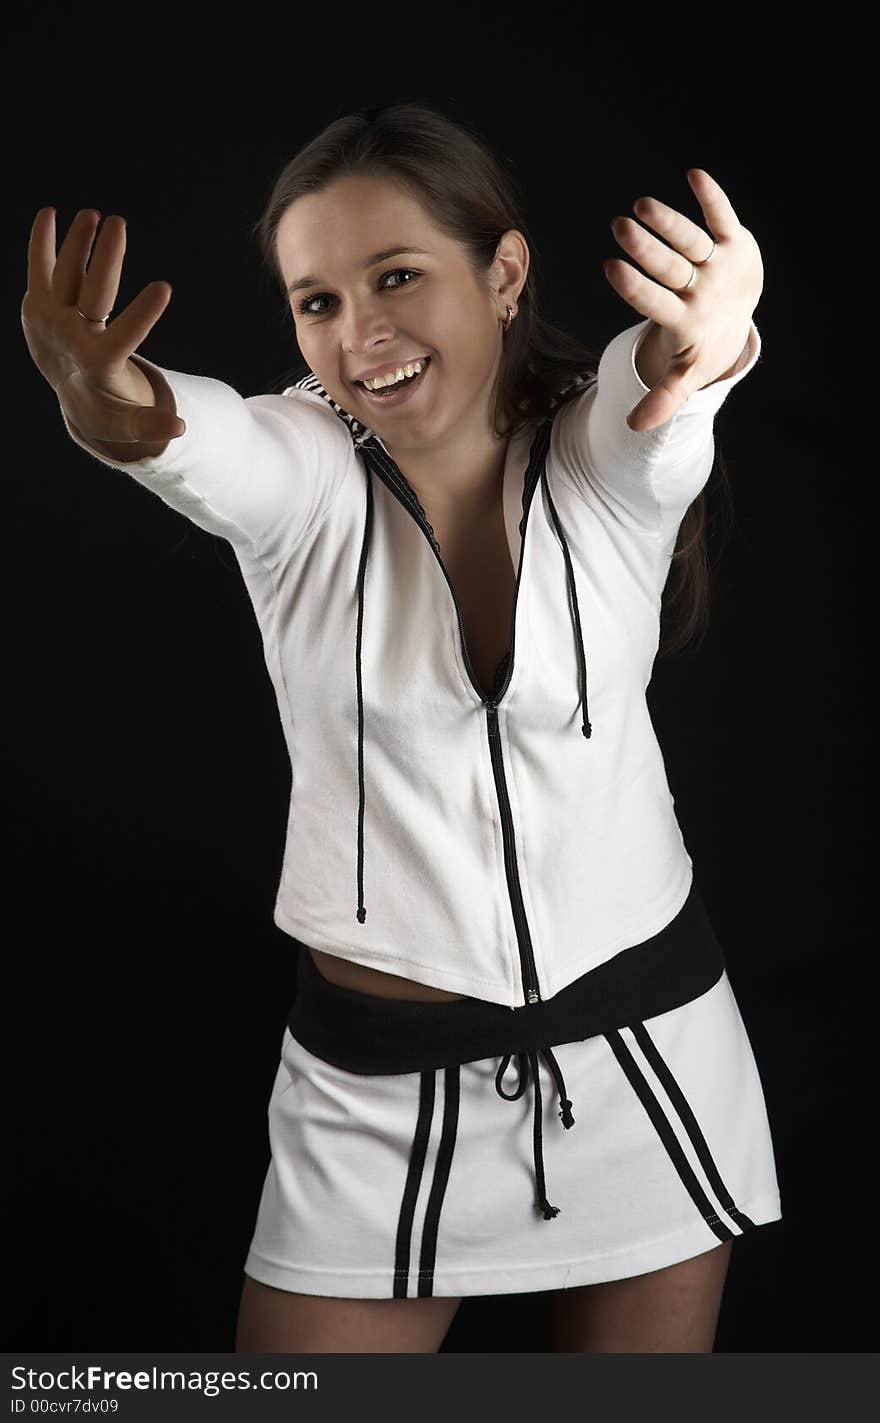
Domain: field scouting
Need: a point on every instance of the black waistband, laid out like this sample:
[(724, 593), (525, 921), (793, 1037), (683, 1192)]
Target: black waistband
[(365, 1033)]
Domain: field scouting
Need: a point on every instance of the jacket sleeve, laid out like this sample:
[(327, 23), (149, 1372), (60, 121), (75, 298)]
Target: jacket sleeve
[(259, 471), (647, 479)]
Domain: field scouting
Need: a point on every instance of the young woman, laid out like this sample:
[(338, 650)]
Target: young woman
[(456, 527)]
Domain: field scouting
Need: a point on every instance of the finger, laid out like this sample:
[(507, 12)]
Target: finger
[(121, 338), (124, 425), (41, 252), (687, 237), (721, 219), (671, 268), (643, 295), (70, 267), (97, 295)]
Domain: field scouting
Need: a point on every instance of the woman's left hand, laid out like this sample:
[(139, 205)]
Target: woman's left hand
[(700, 333)]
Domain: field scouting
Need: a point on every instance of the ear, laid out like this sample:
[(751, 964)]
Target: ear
[(512, 260)]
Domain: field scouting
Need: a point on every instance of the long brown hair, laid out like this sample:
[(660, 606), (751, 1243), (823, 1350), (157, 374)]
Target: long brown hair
[(471, 197)]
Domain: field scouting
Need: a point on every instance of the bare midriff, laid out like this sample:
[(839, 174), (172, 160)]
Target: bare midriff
[(361, 979)]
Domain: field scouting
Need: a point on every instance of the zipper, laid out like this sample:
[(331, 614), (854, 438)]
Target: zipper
[(524, 938), (528, 969), (407, 497)]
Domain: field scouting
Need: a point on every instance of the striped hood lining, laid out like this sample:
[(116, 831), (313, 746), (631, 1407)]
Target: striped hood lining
[(359, 433)]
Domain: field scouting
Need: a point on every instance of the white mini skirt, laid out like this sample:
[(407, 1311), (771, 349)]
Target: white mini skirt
[(535, 1167)]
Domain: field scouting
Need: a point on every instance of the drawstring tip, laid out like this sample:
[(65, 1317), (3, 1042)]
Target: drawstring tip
[(587, 730), (565, 1114), (361, 915), (547, 1210)]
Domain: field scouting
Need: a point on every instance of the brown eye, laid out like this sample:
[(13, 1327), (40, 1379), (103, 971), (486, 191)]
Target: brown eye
[(305, 306)]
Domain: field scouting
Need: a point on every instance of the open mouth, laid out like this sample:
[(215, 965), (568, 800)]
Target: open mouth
[(398, 393)]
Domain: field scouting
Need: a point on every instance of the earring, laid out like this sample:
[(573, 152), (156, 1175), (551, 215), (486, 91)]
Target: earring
[(506, 324)]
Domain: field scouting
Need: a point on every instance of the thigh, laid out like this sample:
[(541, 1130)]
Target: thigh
[(272, 1321), (670, 1311)]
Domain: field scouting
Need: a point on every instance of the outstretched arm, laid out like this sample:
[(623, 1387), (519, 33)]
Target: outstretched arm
[(259, 470)]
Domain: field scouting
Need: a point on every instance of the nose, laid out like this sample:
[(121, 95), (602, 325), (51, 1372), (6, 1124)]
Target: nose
[(365, 329)]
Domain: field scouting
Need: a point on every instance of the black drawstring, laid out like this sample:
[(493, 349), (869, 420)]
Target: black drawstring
[(531, 1056), (573, 603), (574, 610), (368, 527), (362, 436)]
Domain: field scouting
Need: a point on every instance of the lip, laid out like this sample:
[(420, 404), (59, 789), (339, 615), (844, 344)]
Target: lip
[(390, 368), (405, 391)]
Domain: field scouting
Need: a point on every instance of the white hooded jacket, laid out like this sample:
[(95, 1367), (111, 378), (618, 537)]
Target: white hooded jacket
[(495, 847)]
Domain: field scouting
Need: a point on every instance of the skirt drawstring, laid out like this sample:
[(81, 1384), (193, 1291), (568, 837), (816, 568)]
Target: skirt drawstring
[(522, 1060)]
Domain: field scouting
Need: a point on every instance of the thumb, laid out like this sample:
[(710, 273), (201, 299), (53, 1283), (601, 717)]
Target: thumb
[(659, 406)]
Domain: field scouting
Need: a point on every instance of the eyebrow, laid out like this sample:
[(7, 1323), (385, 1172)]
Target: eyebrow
[(370, 262)]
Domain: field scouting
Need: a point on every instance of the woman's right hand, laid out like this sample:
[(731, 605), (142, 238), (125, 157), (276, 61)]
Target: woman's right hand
[(106, 396)]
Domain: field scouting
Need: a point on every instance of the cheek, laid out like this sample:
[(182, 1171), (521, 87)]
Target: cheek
[(305, 339), (472, 352), (315, 353), (455, 330)]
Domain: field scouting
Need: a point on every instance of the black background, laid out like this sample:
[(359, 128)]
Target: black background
[(146, 776)]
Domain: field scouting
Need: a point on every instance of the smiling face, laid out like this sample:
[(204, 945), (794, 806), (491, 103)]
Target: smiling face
[(355, 313)]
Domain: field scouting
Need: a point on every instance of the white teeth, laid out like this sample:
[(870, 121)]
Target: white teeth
[(412, 368)]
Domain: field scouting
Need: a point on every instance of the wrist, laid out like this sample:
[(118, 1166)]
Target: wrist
[(651, 360)]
